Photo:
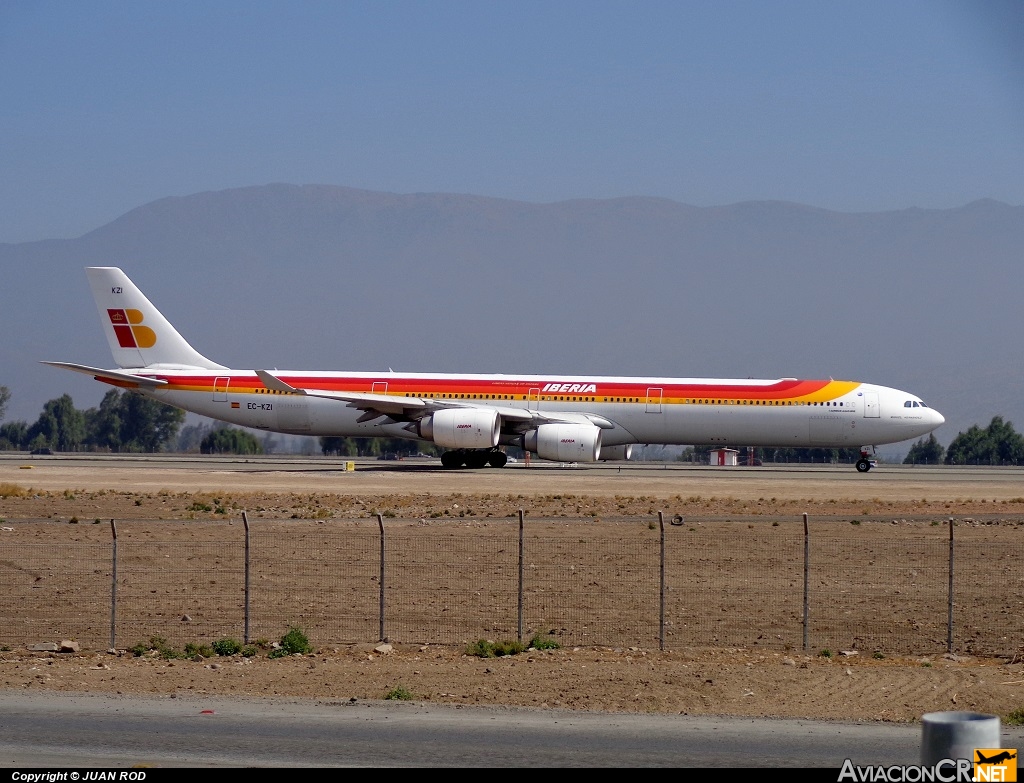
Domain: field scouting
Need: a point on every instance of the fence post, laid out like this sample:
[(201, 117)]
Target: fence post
[(380, 524), (519, 616), (661, 584), (245, 523), (807, 577), (949, 615), (113, 588)]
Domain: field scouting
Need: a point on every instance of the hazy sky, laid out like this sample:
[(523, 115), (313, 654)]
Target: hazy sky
[(850, 106)]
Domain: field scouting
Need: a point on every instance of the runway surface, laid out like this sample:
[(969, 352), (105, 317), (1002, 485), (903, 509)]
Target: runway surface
[(178, 473)]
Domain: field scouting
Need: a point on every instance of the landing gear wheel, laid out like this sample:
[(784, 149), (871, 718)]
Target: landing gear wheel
[(497, 459), (863, 466), (476, 459), (452, 459)]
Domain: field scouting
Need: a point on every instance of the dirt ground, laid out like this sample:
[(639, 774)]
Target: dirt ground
[(59, 498)]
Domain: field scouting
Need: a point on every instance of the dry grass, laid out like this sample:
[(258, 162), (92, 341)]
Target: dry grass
[(8, 490)]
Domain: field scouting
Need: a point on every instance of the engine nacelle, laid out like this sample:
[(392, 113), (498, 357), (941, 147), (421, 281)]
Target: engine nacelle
[(565, 442), (624, 452), (456, 428)]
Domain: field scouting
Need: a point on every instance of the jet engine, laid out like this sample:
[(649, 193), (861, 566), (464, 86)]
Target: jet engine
[(462, 428), (565, 442), (624, 452)]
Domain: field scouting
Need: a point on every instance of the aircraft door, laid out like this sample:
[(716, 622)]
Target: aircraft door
[(380, 387), (220, 389), (533, 399), (654, 399), (293, 414), (871, 410)]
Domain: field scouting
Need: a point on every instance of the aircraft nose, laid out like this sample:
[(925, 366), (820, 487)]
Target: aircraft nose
[(937, 418)]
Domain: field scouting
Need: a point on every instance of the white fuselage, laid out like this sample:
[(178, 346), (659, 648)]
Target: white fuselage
[(787, 412)]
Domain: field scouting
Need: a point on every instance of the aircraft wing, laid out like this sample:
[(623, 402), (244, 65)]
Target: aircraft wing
[(381, 403), (118, 378), (411, 408)]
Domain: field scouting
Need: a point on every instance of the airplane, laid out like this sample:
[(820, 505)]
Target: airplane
[(1004, 756), (561, 418)]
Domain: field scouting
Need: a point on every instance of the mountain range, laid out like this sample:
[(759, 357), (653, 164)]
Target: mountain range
[(325, 277)]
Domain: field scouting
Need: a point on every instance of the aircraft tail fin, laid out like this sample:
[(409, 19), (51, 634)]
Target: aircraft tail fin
[(138, 334)]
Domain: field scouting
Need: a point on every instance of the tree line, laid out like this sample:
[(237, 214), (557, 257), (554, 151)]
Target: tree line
[(132, 423), (996, 444), (121, 422)]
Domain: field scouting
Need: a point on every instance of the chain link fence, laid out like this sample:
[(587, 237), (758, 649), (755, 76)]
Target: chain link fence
[(656, 582)]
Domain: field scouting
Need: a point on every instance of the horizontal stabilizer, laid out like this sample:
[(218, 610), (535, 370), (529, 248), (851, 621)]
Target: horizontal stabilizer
[(110, 375)]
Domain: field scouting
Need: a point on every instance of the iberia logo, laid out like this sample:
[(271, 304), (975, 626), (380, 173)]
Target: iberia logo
[(129, 329), (995, 764)]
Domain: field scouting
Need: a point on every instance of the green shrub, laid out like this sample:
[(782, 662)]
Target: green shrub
[(249, 651), (541, 642), (826, 653), (509, 648), (1015, 718), (480, 648), (485, 649), (158, 643), (295, 641), (292, 643), (192, 650), (227, 647), (398, 693)]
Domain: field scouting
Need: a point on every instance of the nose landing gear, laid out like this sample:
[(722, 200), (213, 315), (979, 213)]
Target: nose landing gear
[(867, 459)]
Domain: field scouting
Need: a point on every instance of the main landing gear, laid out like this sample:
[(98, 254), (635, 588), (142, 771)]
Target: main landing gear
[(866, 461), (473, 458)]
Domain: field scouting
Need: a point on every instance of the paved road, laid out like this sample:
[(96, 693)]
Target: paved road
[(48, 729)]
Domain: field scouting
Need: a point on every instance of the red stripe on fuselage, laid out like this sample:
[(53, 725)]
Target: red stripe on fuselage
[(785, 389)]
